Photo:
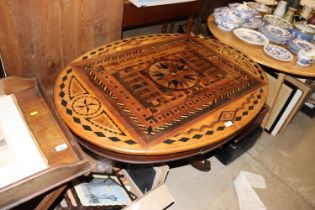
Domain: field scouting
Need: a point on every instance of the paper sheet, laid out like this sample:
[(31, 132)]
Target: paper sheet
[(247, 197)]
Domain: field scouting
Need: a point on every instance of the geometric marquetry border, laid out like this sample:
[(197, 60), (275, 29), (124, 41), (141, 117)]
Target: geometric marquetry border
[(210, 130), (88, 128)]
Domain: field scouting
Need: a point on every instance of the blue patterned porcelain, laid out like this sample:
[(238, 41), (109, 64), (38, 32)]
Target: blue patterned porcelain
[(303, 59), (226, 19), (302, 30), (277, 52), (259, 7), (296, 45), (276, 34), (242, 10), (250, 36), (229, 18), (253, 23), (277, 21), (221, 9), (224, 25)]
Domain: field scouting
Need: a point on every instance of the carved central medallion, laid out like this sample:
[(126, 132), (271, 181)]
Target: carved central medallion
[(173, 74)]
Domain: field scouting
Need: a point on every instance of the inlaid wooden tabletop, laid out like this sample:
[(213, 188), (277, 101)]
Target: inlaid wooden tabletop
[(257, 52), (159, 95)]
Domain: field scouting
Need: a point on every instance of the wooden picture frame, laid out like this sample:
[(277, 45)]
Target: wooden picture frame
[(96, 191), (289, 99)]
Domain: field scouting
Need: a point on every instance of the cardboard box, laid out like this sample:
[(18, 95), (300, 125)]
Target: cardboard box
[(156, 199)]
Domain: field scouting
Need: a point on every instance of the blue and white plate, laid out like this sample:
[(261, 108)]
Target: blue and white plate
[(259, 7), (277, 52), (250, 36), (277, 31), (296, 45), (277, 21), (276, 34), (253, 23)]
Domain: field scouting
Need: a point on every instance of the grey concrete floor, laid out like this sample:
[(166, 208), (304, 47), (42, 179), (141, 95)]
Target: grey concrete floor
[(287, 162)]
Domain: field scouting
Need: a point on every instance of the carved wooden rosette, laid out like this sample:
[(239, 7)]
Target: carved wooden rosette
[(159, 94)]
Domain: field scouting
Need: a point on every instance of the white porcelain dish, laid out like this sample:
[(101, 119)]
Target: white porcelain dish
[(251, 36), (277, 52), (277, 21), (304, 58)]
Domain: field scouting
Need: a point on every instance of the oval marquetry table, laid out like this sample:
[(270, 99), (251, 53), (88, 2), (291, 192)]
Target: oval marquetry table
[(158, 98)]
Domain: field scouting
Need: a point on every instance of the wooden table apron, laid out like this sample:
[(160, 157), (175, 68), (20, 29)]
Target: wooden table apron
[(159, 97)]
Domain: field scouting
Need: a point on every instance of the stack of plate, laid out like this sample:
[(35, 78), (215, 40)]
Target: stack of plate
[(276, 34), (253, 23), (277, 21), (242, 10), (296, 45), (226, 19), (229, 18), (259, 7)]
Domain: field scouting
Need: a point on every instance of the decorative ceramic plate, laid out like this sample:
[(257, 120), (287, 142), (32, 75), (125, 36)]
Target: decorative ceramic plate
[(276, 34), (250, 36), (277, 52), (259, 7), (277, 31), (299, 44), (277, 21), (253, 23), (267, 2)]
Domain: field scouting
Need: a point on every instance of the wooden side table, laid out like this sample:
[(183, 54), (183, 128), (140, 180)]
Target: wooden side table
[(49, 132)]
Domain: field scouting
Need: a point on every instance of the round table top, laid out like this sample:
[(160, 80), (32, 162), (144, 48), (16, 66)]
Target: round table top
[(159, 97), (257, 53)]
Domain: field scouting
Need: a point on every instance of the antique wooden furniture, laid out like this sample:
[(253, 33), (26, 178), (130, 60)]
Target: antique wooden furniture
[(49, 132), (39, 37), (134, 16), (284, 69), (159, 97)]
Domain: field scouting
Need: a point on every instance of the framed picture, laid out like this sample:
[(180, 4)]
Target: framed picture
[(6, 154), (20, 156), (96, 191), (290, 97)]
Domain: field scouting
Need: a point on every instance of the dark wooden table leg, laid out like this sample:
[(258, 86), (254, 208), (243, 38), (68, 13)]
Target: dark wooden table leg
[(164, 27), (189, 25), (202, 165)]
